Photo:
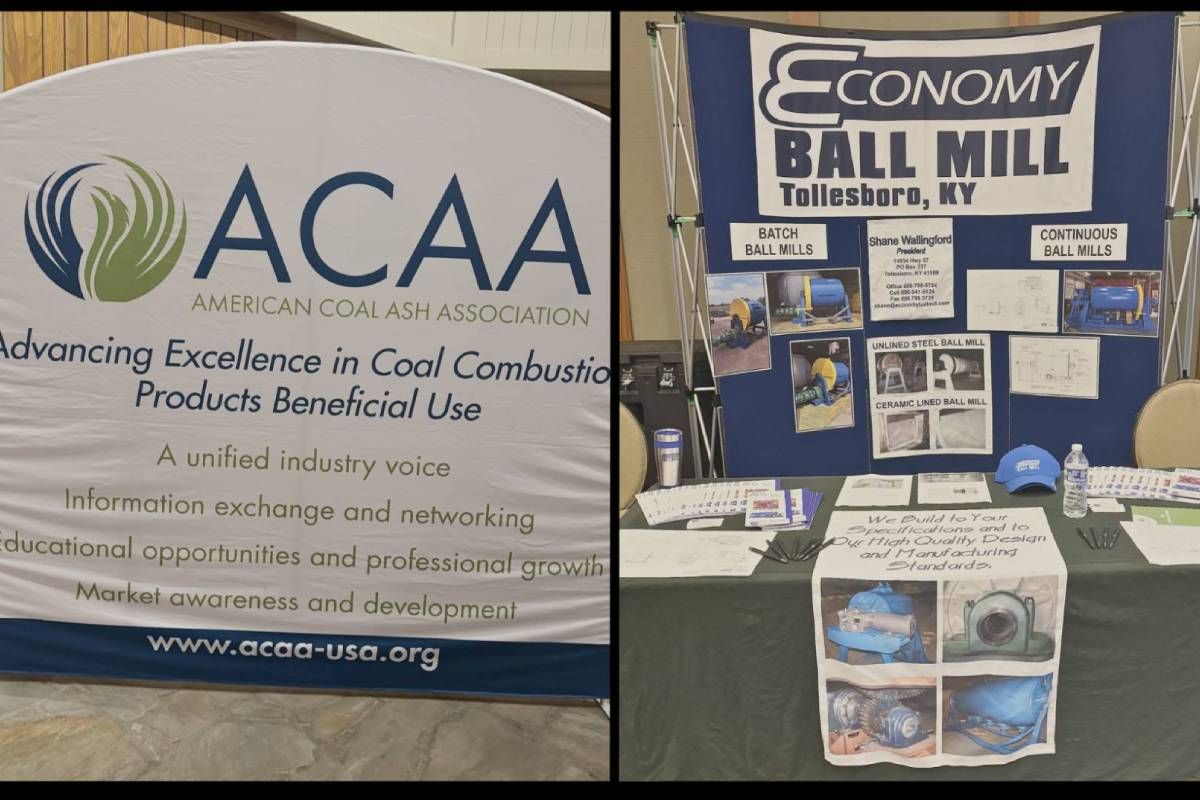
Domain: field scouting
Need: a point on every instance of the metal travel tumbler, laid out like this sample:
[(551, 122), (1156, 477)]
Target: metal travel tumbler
[(668, 451)]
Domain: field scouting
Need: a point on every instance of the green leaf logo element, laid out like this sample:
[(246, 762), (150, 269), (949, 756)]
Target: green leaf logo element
[(133, 253)]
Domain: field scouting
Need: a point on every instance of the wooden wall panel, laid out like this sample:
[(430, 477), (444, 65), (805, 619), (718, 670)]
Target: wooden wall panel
[(810, 18), (1018, 18), (75, 46), (176, 32), (42, 43), (118, 34), (156, 31), (22, 47), (268, 26), (139, 32), (75, 24), (97, 36), (212, 32), (54, 37), (193, 30)]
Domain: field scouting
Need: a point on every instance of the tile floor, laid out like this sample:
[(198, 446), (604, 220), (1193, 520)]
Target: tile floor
[(64, 730)]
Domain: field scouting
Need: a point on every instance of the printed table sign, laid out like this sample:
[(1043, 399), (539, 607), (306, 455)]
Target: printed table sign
[(938, 635)]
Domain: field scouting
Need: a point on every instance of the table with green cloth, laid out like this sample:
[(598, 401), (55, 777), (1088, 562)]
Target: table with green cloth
[(718, 676)]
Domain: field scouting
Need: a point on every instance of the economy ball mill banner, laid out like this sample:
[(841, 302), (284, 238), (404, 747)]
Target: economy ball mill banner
[(967, 178), (304, 374)]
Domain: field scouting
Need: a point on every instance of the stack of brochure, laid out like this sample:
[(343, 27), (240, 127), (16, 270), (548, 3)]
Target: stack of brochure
[(1178, 486), (1186, 485), (782, 509), (699, 500), (779, 509)]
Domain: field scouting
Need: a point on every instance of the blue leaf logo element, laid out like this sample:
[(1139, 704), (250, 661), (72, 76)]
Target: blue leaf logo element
[(136, 244), (54, 246)]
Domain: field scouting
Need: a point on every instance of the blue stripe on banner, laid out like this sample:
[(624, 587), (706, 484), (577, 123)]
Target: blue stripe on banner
[(190, 655)]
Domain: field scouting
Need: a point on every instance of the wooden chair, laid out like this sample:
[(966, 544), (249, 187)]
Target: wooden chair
[(1166, 433), (632, 452)]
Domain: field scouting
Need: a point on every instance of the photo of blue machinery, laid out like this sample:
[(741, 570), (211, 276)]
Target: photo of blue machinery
[(878, 623), (863, 720), (814, 299), (1121, 302), (999, 714)]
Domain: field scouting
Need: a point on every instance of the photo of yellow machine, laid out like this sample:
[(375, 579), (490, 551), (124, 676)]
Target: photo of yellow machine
[(821, 384), (738, 323)]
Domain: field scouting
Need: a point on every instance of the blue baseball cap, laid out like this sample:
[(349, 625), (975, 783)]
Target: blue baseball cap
[(1027, 465)]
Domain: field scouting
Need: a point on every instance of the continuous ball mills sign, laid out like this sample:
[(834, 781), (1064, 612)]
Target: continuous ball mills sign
[(304, 374)]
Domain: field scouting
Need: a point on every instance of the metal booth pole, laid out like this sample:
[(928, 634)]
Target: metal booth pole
[(1181, 289), (688, 272)]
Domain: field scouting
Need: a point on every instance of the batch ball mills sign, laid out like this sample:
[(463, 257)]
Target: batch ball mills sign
[(304, 374)]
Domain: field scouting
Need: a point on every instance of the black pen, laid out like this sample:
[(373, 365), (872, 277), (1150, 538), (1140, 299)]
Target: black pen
[(813, 545), (1085, 539), (767, 555), (817, 552), (1095, 544), (777, 550)]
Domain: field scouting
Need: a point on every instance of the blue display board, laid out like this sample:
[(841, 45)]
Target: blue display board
[(1127, 73)]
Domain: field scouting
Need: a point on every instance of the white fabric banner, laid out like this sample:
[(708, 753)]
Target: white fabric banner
[(320, 336), (904, 127), (938, 634)]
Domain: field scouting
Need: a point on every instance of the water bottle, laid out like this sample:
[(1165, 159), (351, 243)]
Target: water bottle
[(1075, 483)]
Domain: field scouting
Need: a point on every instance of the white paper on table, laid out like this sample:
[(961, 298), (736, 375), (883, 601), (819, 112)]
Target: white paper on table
[(1012, 300), (875, 490), (688, 554), (1105, 505), (935, 488), (1165, 545), (704, 522)]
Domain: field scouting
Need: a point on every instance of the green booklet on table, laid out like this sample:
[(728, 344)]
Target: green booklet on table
[(1163, 515)]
